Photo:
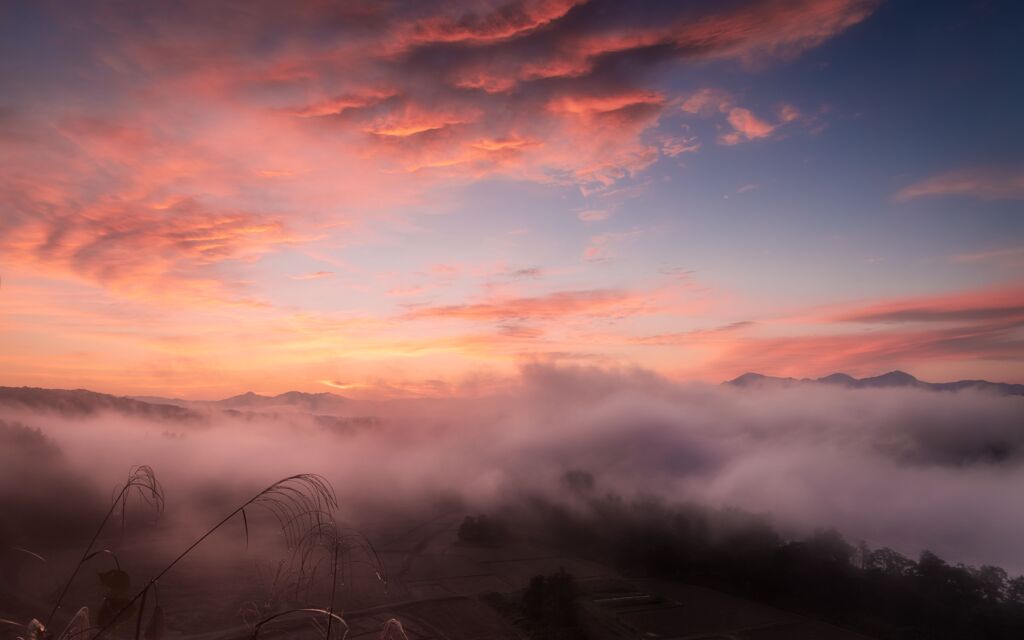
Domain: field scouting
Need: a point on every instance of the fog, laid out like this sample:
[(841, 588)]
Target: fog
[(906, 468)]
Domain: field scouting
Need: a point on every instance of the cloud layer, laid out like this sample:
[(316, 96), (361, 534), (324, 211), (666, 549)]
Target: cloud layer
[(984, 184), (907, 468), (196, 194), (215, 133)]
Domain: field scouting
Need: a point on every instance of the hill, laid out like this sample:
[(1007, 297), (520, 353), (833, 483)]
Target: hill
[(893, 379)]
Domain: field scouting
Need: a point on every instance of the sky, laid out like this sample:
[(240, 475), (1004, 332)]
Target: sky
[(399, 198)]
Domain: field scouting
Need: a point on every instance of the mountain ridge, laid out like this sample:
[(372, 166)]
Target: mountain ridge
[(891, 379), (86, 403), (325, 402), (82, 403)]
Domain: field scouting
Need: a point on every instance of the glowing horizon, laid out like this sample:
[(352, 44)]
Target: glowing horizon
[(400, 199)]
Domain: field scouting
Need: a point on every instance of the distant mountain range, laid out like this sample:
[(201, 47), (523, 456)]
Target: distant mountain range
[(319, 403), (893, 379), (336, 411), (84, 403)]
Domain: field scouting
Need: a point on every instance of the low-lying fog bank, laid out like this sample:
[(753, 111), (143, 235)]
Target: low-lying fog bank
[(906, 468)]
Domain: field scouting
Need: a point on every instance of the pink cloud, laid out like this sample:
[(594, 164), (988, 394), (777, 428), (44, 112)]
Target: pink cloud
[(315, 275), (984, 184), (1010, 257), (594, 302), (336, 106), (677, 146), (594, 215), (869, 351), (199, 151), (140, 249), (695, 337), (788, 113), (370, 79), (984, 306), (746, 126), (505, 21), (602, 247), (910, 333), (707, 102)]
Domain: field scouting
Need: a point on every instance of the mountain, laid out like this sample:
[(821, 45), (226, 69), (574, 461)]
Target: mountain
[(82, 403), (839, 378), (893, 379), (315, 403), (327, 409)]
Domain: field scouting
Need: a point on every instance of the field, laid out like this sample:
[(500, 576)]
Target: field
[(437, 588)]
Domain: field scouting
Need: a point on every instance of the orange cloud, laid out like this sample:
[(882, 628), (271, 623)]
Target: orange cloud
[(340, 104), (589, 303), (915, 333), (139, 249)]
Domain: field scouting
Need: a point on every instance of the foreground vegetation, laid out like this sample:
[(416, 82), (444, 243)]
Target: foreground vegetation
[(302, 505), (878, 592)]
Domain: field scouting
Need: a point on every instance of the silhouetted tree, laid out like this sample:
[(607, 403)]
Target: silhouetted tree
[(481, 531), (879, 592), (549, 604)]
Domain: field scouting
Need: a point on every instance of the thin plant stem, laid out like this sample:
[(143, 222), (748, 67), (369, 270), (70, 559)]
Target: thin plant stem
[(334, 587), (142, 610), (278, 489), (88, 550)]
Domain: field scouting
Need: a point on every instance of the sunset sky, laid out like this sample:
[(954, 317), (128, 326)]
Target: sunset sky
[(405, 198)]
